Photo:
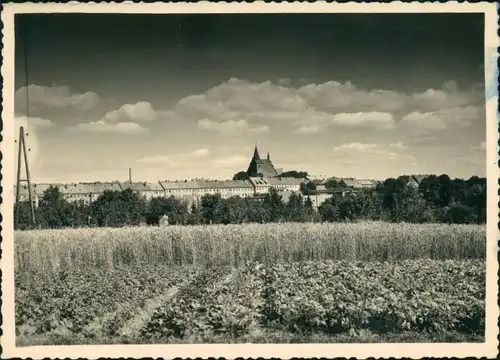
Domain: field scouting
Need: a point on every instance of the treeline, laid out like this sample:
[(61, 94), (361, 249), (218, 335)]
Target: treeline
[(436, 199)]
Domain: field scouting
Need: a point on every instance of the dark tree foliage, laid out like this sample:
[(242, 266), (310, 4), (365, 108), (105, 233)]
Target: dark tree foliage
[(55, 212), (273, 203), (24, 215), (332, 184), (118, 208), (294, 174), (176, 210), (212, 208), (436, 199), (242, 175)]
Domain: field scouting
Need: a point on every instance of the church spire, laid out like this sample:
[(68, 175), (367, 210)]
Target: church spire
[(256, 155)]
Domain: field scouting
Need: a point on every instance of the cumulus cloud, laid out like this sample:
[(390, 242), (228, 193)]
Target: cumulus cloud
[(175, 160), (397, 156), (232, 161), (128, 119), (355, 146), (231, 126), (443, 119), (355, 150), (237, 105), (333, 96), (430, 120), (447, 97), (139, 112), (201, 152), (38, 123), (158, 159), (193, 160), (54, 97), (371, 119), (397, 145), (308, 129), (125, 128)]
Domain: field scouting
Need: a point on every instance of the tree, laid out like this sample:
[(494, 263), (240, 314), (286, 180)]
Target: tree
[(234, 210), (475, 198), (311, 186), (256, 213), (459, 214), (295, 208), (307, 188), (273, 203), (211, 208), (350, 207), (430, 188), (294, 174), (241, 175), (54, 211), (445, 190), (194, 217), (392, 189), (329, 210), (175, 209), (24, 220), (118, 208), (332, 184)]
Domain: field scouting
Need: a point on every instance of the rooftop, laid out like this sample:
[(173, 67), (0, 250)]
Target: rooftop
[(170, 185), (142, 186)]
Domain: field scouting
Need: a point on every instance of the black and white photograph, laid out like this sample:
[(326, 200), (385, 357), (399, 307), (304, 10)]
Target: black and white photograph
[(248, 177)]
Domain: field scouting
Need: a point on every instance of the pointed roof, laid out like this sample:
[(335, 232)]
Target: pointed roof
[(256, 155)]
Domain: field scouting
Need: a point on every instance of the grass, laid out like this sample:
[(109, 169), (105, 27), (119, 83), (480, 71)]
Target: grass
[(51, 251)]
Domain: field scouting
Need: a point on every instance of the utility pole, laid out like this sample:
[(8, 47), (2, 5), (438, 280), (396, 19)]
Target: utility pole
[(22, 148)]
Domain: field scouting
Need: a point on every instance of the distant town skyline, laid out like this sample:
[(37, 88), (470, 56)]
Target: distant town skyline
[(186, 96)]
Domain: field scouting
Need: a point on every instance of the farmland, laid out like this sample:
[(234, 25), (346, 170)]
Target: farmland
[(360, 282)]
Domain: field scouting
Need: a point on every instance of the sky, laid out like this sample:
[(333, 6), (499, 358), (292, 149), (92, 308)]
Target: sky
[(187, 96)]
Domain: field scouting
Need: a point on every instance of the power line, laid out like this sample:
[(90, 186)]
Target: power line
[(28, 120)]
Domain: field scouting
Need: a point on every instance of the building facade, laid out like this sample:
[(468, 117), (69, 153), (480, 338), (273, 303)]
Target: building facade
[(148, 190)]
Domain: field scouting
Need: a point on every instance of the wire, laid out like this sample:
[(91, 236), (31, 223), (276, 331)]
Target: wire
[(28, 120)]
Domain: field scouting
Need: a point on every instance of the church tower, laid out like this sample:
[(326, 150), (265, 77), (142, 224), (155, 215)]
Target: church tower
[(261, 167)]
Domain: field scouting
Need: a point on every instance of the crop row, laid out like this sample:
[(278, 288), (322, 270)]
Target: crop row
[(225, 301), (162, 304), (336, 297), (79, 299)]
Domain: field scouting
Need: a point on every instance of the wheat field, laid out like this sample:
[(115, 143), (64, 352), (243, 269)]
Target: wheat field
[(52, 251)]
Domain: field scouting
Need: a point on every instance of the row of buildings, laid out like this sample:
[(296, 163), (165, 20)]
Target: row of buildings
[(261, 175), (188, 190), (191, 190)]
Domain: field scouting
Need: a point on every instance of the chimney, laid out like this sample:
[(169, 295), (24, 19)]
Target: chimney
[(268, 157), (130, 175)]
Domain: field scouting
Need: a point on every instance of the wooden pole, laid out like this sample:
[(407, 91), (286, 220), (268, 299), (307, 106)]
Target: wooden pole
[(18, 182), (28, 178)]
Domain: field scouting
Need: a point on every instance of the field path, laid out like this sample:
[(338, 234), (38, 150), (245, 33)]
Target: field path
[(95, 328), (137, 322)]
